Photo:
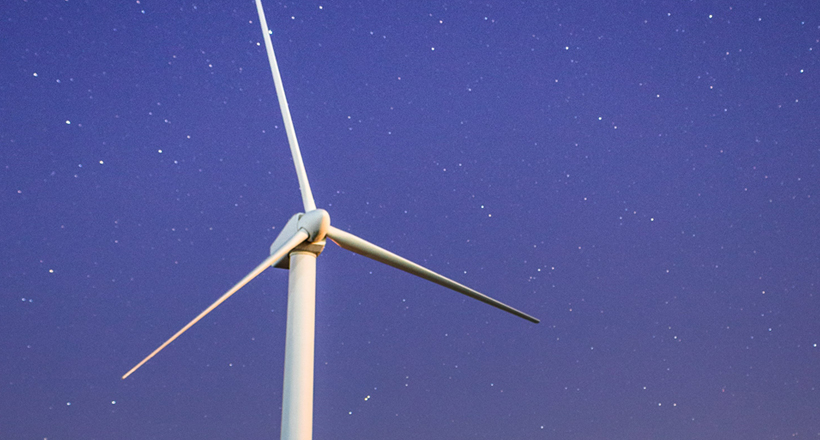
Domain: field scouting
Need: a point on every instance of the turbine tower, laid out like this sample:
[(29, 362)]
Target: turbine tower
[(296, 248)]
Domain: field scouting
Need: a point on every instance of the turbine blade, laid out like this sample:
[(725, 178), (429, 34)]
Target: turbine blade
[(301, 174), (288, 246), (363, 247)]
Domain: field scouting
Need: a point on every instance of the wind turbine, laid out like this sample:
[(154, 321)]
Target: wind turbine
[(296, 248)]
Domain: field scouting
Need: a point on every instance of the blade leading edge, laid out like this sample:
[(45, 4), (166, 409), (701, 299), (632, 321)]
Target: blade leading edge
[(301, 174), (363, 247), (288, 246)]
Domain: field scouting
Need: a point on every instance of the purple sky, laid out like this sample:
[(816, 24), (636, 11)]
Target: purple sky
[(642, 177)]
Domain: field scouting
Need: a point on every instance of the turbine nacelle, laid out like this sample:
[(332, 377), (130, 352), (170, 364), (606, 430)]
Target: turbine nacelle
[(315, 223)]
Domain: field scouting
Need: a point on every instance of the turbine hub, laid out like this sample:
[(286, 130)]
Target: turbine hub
[(315, 223)]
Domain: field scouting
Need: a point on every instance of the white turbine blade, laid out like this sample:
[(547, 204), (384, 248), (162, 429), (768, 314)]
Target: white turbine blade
[(288, 246), (301, 174), (370, 250)]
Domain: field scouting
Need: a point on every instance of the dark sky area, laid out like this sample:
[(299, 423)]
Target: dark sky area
[(641, 176)]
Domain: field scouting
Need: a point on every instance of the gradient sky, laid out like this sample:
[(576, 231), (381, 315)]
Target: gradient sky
[(641, 176)]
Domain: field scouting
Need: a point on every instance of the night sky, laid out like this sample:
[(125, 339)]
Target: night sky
[(642, 176)]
